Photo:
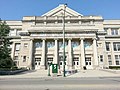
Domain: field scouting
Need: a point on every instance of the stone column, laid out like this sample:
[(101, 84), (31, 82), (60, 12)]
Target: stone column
[(43, 58), (95, 53), (56, 53), (112, 54), (13, 50), (30, 62), (15, 32), (70, 54), (82, 53)]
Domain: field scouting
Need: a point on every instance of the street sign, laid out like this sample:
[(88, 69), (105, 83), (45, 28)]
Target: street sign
[(54, 68)]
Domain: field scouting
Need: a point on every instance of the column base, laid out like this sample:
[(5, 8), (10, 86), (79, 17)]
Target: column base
[(69, 67), (83, 68), (42, 67), (96, 67)]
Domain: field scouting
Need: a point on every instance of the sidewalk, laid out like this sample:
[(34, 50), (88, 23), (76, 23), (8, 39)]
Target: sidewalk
[(28, 74), (81, 73), (95, 73)]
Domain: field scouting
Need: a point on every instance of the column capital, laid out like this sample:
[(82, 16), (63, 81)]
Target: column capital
[(55, 38), (94, 38), (82, 38), (43, 39), (69, 38)]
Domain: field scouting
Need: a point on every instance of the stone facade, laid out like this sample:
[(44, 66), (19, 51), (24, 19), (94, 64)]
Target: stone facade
[(90, 41)]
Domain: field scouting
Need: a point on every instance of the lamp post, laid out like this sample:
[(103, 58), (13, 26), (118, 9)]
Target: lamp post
[(64, 40)]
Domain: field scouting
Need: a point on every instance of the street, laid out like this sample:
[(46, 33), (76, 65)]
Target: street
[(92, 83)]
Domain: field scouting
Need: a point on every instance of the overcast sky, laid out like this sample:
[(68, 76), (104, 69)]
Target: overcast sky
[(16, 9)]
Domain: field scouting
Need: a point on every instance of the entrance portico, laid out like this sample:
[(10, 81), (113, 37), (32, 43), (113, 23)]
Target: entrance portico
[(79, 53)]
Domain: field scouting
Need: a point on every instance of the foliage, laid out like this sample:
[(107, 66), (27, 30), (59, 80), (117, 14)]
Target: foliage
[(5, 59), (114, 67)]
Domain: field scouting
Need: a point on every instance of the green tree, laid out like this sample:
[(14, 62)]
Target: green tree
[(5, 58)]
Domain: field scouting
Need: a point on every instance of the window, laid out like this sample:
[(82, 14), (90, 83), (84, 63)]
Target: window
[(87, 44), (116, 46), (24, 58), (106, 29), (74, 63), (16, 57), (117, 59), (75, 43), (101, 58), (109, 60), (77, 63), (50, 59), (17, 46), (38, 44), (107, 46), (12, 32), (61, 44), (61, 58), (37, 59), (76, 59), (18, 31), (60, 63), (50, 44), (26, 45), (85, 22), (114, 32)]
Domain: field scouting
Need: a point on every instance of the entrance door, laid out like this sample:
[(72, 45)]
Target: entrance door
[(37, 63), (88, 63)]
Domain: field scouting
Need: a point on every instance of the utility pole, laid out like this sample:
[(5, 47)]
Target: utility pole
[(64, 39)]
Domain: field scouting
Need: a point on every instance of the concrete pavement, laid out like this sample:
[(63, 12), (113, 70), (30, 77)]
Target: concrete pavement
[(81, 73), (96, 73)]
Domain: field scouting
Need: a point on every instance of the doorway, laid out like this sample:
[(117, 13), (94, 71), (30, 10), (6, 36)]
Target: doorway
[(37, 63), (88, 62)]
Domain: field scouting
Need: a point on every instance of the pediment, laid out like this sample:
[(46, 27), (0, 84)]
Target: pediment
[(58, 11)]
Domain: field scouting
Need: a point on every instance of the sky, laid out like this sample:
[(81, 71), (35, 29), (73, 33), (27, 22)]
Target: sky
[(16, 9)]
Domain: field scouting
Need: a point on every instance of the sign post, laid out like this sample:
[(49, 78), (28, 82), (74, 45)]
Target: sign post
[(49, 69)]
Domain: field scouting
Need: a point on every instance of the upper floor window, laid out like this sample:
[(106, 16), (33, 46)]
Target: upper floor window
[(75, 44), (85, 22), (18, 31), (116, 46), (108, 46), (61, 44), (12, 32), (106, 30), (114, 32), (50, 44), (87, 44), (17, 46), (38, 44)]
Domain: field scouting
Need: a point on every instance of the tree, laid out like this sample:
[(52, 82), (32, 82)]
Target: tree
[(5, 58)]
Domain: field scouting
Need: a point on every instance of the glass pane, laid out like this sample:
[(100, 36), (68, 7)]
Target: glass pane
[(117, 62), (89, 63), (74, 63), (86, 63), (114, 45), (75, 44)]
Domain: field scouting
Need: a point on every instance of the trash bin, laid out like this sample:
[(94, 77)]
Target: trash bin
[(84, 67)]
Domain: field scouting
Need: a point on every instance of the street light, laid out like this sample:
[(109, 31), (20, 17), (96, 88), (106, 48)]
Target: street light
[(64, 40)]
